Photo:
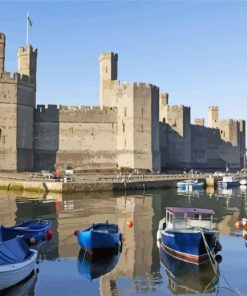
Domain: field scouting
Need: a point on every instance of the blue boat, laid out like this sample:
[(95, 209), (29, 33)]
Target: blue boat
[(99, 236), (189, 234), (32, 231), (228, 182), (193, 184), (188, 278)]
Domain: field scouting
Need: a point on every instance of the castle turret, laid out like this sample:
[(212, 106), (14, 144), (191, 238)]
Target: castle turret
[(27, 62), (2, 52), (213, 116), (108, 72)]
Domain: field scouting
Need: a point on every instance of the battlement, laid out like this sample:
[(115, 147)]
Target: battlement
[(108, 55), (80, 109), (177, 107), (9, 77), (2, 37), (213, 108), (27, 50), (76, 114)]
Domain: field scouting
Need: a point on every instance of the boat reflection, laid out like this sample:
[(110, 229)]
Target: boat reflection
[(187, 278), (23, 288), (92, 267)]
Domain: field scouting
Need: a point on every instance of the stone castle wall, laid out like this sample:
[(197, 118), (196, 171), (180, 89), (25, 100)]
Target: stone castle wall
[(134, 126), (83, 137)]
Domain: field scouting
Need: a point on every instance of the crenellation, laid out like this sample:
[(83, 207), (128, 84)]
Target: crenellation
[(9, 77)]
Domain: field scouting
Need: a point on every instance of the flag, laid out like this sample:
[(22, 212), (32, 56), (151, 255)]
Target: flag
[(30, 23)]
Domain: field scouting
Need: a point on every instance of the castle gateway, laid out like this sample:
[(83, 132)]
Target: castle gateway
[(134, 127)]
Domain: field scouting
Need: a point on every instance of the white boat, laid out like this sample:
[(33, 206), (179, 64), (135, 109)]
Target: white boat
[(228, 182), (243, 182), (17, 261)]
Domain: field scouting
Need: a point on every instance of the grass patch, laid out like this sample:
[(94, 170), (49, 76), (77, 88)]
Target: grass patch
[(34, 189)]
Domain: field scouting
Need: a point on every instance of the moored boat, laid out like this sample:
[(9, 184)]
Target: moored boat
[(99, 236), (32, 231), (17, 261), (228, 182), (189, 234), (190, 184)]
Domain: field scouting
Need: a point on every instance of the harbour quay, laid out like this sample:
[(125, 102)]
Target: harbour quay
[(93, 182)]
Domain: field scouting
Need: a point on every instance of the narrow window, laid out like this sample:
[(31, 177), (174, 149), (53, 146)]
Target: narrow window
[(123, 127), (3, 138), (106, 69), (0, 135), (125, 112), (142, 112), (142, 128)]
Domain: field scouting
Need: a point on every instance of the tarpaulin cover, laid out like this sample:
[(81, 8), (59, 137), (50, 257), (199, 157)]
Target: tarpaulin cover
[(13, 250)]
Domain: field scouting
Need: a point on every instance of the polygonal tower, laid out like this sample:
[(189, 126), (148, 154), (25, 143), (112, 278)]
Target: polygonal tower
[(213, 116), (27, 62)]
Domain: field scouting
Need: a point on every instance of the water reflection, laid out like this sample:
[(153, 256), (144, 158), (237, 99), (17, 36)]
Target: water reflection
[(24, 288), (138, 269), (188, 278), (94, 267)]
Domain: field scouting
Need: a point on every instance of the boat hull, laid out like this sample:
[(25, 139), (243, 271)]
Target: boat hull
[(92, 241), (36, 229), (222, 184), (188, 245), (12, 274)]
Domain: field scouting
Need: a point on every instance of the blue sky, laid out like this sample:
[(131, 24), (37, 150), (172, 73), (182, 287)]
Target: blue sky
[(194, 50)]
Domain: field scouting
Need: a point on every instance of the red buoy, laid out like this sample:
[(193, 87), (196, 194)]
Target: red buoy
[(76, 232), (238, 224), (49, 235), (130, 223)]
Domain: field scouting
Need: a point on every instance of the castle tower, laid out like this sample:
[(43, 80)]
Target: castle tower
[(27, 62), (213, 116), (108, 73), (2, 52)]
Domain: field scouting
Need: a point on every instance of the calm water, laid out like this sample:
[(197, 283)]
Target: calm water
[(139, 268)]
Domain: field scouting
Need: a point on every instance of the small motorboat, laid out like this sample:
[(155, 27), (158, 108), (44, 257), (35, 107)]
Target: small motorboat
[(187, 184), (32, 230), (243, 182), (99, 236), (17, 261), (228, 182), (189, 234), (91, 268)]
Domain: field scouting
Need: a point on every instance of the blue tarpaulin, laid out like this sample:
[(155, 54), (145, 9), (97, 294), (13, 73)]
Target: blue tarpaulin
[(12, 249)]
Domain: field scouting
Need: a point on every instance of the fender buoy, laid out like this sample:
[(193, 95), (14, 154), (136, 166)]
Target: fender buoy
[(76, 232), (130, 223)]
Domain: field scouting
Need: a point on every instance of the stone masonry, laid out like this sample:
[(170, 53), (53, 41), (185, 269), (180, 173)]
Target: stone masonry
[(134, 127)]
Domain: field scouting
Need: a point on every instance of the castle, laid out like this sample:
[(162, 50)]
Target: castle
[(134, 127)]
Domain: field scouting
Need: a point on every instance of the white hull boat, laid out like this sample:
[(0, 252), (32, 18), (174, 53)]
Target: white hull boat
[(12, 274)]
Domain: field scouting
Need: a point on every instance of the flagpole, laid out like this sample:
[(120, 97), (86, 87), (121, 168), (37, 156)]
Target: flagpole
[(27, 29)]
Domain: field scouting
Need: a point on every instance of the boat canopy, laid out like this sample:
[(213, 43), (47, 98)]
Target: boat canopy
[(198, 211), (13, 250)]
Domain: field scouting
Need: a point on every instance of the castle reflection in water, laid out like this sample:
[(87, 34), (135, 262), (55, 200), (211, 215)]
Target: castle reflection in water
[(140, 259)]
